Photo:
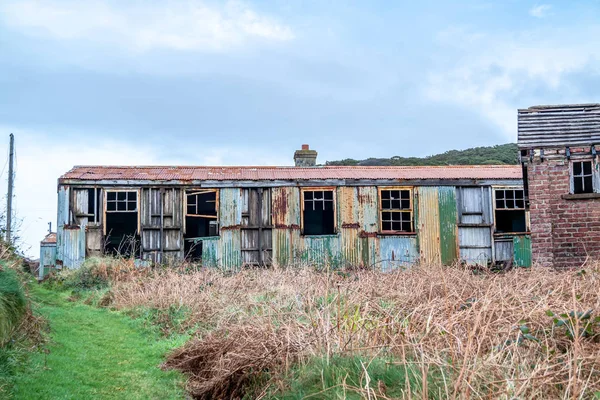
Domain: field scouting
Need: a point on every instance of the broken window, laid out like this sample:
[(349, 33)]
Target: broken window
[(122, 235), (583, 177), (395, 210), (318, 214), (510, 210), (86, 205), (201, 220)]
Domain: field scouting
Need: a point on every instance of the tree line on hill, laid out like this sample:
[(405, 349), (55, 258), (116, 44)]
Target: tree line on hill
[(504, 154)]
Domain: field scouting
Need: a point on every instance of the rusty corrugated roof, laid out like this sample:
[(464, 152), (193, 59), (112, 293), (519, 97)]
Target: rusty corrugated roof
[(49, 239), (183, 173)]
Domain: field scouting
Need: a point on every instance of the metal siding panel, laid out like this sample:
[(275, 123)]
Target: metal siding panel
[(231, 249), (522, 250), (429, 225), (475, 242), (448, 225), (230, 207), (368, 211), (210, 252), (47, 259), (503, 250), (62, 219), (321, 251), (80, 202), (286, 219), (74, 247), (397, 251)]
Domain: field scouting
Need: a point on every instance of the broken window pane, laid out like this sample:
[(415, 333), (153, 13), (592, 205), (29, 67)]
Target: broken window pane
[(395, 210), (510, 211), (319, 212), (583, 181)]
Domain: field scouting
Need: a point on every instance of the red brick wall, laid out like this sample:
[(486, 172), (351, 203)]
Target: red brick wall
[(563, 232)]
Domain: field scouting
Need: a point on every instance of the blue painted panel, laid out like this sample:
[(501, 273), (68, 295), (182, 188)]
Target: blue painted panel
[(397, 251)]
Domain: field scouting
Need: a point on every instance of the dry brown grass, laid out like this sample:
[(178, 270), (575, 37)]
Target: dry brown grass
[(448, 321)]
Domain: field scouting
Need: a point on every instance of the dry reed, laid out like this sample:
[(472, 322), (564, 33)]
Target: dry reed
[(485, 335)]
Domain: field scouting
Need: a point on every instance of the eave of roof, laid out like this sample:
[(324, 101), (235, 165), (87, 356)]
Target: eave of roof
[(247, 173)]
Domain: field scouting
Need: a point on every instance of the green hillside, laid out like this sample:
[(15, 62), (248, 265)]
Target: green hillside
[(500, 154)]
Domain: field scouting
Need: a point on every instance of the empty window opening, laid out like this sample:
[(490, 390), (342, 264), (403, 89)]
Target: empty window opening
[(201, 220), (318, 215), (122, 236), (94, 205), (583, 180), (510, 211), (395, 211)]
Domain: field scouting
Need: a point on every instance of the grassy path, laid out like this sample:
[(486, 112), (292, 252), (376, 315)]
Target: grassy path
[(96, 354)]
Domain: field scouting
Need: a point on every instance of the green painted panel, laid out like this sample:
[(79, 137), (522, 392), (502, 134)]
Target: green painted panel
[(210, 251), (522, 250), (448, 224)]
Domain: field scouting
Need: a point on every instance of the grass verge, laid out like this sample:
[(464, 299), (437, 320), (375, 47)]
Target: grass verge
[(96, 353)]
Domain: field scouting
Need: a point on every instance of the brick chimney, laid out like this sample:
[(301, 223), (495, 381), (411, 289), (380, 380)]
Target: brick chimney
[(305, 157)]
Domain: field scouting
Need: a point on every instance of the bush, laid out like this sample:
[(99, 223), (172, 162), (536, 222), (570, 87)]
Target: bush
[(13, 304)]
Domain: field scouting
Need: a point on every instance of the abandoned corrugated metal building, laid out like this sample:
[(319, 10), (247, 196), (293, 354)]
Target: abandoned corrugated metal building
[(563, 180), (47, 255), (235, 216)]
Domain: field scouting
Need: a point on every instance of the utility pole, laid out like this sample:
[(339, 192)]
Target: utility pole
[(10, 189)]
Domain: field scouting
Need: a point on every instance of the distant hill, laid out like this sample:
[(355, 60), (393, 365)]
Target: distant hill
[(499, 155)]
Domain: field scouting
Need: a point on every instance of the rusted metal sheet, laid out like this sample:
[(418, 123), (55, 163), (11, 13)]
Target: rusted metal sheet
[(448, 225), (192, 174), (429, 225), (322, 251), (522, 250), (287, 243), (357, 213), (256, 226), (94, 241), (475, 224), (397, 251)]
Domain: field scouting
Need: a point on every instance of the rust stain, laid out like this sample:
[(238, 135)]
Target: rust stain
[(354, 225), (291, 227), (230, 228), (72, 227), (364, 234)]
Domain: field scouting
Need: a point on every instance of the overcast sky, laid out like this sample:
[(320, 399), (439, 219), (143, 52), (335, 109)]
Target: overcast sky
[(241, 83)]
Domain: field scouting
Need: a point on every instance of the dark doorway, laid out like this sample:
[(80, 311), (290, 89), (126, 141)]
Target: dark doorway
[(122, 236)]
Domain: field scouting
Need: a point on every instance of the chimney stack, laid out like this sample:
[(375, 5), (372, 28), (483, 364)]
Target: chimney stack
[(305, 157)]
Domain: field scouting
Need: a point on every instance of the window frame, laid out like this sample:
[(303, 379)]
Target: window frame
[(380, 210), (594, 175), (332, 189), (105, 211), (524, 209), (193, 191), (127, 201)]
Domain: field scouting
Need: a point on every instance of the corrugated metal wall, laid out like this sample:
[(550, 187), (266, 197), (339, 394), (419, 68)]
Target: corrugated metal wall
[(47, 259), (429, 225), (230, 218), (448, 224), (451, 223)]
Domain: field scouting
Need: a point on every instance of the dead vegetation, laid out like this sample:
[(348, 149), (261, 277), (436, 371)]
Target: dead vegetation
[(525, 333)]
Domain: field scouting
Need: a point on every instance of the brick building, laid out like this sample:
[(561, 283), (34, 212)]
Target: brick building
[(562, 178)]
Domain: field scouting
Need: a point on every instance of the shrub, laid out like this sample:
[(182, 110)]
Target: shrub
[(13, 304)]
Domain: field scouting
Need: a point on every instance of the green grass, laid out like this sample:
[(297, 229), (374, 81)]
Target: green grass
[(96, 353), (343, 377)]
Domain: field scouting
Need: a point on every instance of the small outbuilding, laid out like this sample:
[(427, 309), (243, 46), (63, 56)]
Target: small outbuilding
[(562, 178)]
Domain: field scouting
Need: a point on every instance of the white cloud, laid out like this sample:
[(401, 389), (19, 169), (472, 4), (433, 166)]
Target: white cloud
[(42, 158), (188, 26), (494, 74), (540, 11)]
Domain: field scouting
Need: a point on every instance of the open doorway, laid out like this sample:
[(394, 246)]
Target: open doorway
[(122, 234), (200, 221)]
